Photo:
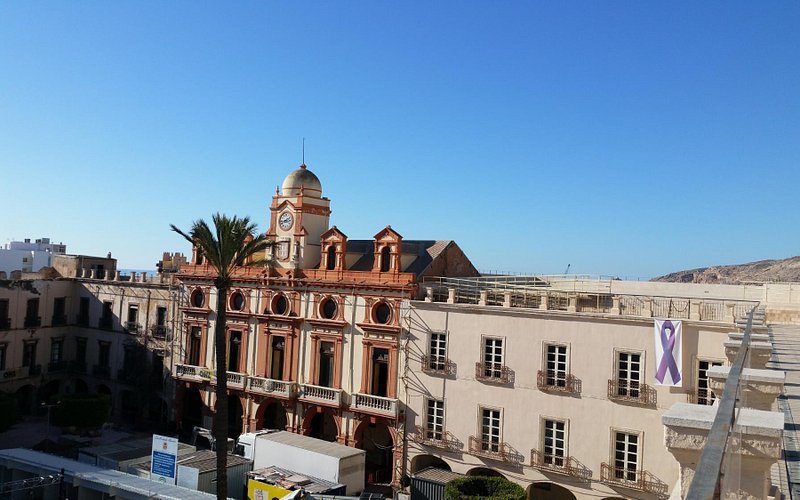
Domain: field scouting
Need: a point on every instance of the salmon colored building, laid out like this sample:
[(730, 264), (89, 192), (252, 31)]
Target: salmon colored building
[(314, 341)]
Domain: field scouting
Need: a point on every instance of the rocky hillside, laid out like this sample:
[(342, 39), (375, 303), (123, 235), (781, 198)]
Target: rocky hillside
[(762, 270)]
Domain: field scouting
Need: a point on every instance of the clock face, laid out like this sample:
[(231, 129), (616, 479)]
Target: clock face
[(285, 221)]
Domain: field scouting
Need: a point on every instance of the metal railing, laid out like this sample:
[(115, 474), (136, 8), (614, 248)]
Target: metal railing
[(438, 365), (559, 463), (632, 392), (635, 479), (494, 450), (436, 439), (493, 373), (706, 481), (554, 381)]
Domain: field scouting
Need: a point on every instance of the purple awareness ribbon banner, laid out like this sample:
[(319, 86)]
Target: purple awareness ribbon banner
[(667, 358)]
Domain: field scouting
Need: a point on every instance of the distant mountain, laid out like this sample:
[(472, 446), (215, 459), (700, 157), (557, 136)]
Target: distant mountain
[(762, 270)]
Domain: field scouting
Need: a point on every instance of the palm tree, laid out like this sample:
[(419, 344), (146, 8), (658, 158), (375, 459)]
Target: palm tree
[(233, 243)]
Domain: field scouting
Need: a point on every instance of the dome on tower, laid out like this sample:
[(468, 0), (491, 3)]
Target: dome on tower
[(302, 179)]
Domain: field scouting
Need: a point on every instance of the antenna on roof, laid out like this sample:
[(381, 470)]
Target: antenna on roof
[(304, 150)]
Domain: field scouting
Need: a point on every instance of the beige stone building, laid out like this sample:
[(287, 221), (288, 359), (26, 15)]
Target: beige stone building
[(549, 381)]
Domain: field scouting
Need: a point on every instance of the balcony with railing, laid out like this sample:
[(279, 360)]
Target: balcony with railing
[(376, 405), (438, 365), (159, 331), (236, 380), (443, 440), (558, 382), (77, 366), (59, 320), (33, 321), (192, 373), (56, 366), (132, 327), (101, 371), (639, 480), (493, 373), (561, 464), (321, 395), (628, 391), (497, 451), (271, 387)]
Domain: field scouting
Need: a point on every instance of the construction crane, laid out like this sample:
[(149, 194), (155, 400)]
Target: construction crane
[(567, 271)]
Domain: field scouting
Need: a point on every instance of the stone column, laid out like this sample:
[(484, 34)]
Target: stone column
[(694, 310), (428, 294), (451, 295), (93, 274), (482, 299), (573, 304), (759, 388), (760, 352), (615, 307), (647, 308), (729, 307), (543, 304), (506, 299), (756, 440)]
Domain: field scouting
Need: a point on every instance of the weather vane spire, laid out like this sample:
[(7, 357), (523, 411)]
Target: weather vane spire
[(304, 150)]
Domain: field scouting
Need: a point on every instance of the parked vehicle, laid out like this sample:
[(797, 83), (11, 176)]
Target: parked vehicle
[(332, 462)]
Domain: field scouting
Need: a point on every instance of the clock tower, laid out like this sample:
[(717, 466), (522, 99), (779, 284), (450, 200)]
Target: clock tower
[(299, 214)]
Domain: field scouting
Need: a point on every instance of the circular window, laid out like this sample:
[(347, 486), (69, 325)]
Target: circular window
[(237, 301), (280, 305), (198, 298), (328, 309), (382, 313)]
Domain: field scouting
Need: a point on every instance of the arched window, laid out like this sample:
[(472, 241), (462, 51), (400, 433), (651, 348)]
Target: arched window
[(331, 258)]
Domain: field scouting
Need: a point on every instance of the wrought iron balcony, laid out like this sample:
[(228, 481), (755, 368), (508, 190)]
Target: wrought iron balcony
[(192, 373), (271, 387), (318, 394), (59, 320), (131, 327), (498, 451), (33, 321), (77, 366), (550, 381), (632, 392), (101, 371), (559, 463), (443, 440), (367, 403), (493, 373), (159, 331), (640, 480), (5, 323), (56, 366), (438, 365)]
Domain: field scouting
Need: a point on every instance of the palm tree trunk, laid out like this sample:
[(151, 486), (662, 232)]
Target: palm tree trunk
[(221, 415)]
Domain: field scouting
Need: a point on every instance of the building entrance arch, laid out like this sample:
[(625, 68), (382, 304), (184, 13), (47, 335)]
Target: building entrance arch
[(422, 462), (271, 415), (484, 471), (549, 491), (375, 437), (235, 414), (192, 412), (321, 423)]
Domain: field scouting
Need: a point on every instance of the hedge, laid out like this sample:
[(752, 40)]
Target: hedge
[(481, 487), (85, 411)]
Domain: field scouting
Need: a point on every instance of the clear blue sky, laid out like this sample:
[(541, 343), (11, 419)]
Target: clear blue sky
[(626, 138)]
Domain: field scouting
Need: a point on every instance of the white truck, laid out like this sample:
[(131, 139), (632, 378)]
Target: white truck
[(332, 462)]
